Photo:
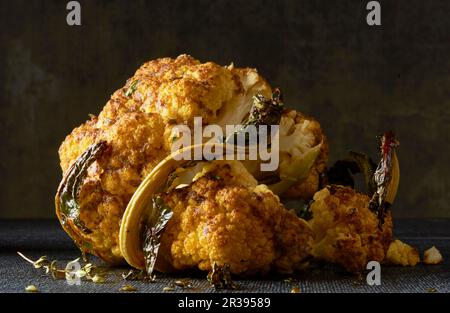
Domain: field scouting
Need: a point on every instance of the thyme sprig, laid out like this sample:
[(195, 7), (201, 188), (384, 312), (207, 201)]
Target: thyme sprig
[(87, 272)]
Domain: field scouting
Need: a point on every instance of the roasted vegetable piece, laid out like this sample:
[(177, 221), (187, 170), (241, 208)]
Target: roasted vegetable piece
[(303, 156), (353, 228), (154, 226), (263, 112), (302, 148), (346, 230), (67, 206), (110, 181), (400, 253), (221, 217), (137, 123), (386, 176)]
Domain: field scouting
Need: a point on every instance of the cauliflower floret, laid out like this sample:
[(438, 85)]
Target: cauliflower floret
[(217, 220), (237, 109), (346, 231), (233, 173), (432, 256), (77, 142), (300, 135), (400, 253), (112, 179), (183, 88)]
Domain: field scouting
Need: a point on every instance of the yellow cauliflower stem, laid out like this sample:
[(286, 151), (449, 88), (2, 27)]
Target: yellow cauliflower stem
[(216, 220), (346, 231), (400, 253)]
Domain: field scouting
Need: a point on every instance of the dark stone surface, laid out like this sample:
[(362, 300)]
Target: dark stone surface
[(357, 80), (35, 238)]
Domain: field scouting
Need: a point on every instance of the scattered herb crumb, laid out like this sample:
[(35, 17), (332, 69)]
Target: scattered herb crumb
[(31, 288), (290, 280), (220, 277), (168, 289), (98, 279), (128, 288), (138, 275), (183, 283)]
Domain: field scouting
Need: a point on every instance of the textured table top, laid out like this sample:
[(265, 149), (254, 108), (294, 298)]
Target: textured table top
[(35, 238)]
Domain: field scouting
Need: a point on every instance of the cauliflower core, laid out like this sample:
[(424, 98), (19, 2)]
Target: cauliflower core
[(218, 220), (346, 231)]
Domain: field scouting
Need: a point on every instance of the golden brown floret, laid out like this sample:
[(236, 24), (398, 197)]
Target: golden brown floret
[(178, 89), (346, 230), (218, 221), (77, 142), (113, 178), (400, 253)]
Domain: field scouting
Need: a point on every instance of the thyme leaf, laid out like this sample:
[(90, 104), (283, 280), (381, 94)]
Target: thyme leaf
[(132, 88)]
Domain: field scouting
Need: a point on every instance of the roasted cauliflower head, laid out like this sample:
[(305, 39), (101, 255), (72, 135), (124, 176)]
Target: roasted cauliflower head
[(135, 127), (346, 231), (218, 219), (105, 159)]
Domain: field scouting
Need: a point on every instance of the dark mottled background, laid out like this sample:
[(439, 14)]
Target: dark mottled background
[(357, 80)]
